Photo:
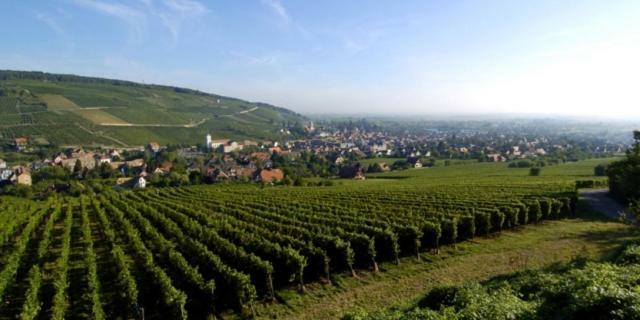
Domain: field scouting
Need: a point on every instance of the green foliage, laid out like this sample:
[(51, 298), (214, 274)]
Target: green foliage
[(600, 170), (590, 291), (32, 304), (535, 171), (630, 255), (624, 175)]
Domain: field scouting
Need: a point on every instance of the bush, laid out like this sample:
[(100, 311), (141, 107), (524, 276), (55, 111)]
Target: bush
[(521, 164), (590, 184), (600, 170), (535, 171), (483, 223), (431, 235), (630, 255), (449, 231), (466, 227), (497, 220)]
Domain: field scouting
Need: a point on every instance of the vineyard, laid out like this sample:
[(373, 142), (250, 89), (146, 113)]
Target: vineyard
[(193, 252)]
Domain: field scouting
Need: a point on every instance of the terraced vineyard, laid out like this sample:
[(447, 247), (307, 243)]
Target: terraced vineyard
[(66, 109), (195, 251)]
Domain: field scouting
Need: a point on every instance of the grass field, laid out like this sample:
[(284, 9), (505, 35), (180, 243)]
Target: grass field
[(56, 102), (99, 116)]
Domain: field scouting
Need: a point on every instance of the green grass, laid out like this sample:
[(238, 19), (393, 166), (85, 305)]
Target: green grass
[(54, 105), (388, 160), (492, 172)]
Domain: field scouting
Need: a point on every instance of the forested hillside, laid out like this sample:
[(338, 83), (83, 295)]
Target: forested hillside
[(73, 110)]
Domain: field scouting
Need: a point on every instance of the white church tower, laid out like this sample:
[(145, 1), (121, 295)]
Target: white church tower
[(207, 141)]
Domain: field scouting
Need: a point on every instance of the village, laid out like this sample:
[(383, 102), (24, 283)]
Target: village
[(328, 152)]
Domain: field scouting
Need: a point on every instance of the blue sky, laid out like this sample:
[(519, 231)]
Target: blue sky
[(357, 57)]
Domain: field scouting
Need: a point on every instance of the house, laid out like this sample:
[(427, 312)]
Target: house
[(153, 147), (135, 163), (20, 143), (21, 175), (262, 156), (384, 167), (139, 183), (57, 159), (495, 157), (113, 154), (382, 147), (164, 167), (23, 178), (3, 164), (221, 176), (5, 174), (231, 147), (87, 161), (358, 153), (123, 182), (250, 143), (247, 173), (275, 150), (100, 160), (415, 162), (74, 152), (215, 144), (115, 165), (269, 175)]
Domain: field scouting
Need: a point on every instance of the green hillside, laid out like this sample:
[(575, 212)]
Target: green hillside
[(71, 110)]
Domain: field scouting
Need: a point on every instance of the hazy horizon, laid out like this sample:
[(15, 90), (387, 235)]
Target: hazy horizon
[(576, 58)]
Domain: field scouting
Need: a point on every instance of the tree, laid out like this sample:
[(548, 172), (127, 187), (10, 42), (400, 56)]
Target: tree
[(535, 171), (600, 170), (624, 175), (77, 168), (195, 177)]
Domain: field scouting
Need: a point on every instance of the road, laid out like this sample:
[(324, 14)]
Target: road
[(600, 201)]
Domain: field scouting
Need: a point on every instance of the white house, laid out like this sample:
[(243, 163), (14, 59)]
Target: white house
[(140, 183), (231, 146), (5, 174), (215, 144)]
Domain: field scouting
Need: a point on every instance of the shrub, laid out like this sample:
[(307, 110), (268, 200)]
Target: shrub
[(466, 227), (535, 171), (483, 223), (600, 170), (630, 255)]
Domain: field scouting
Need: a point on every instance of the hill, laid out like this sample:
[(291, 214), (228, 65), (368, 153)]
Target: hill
[(72, 110)]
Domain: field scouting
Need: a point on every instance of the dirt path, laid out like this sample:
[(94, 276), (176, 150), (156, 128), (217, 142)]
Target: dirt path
[(600, 201)]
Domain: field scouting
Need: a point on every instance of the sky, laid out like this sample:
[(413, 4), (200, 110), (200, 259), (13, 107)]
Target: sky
[(571, 57)]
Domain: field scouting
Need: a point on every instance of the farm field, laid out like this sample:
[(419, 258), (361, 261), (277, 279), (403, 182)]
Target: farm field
[(293, 252), (73, 110)]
